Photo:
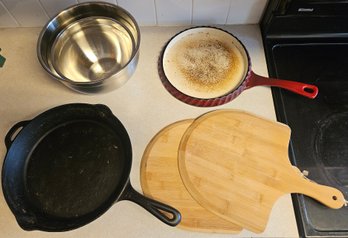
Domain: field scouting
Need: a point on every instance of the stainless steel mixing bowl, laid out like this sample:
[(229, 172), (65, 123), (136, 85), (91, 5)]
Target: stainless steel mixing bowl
[(90, 47)]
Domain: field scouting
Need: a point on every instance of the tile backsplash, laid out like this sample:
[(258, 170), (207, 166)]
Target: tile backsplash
[(33, 13)]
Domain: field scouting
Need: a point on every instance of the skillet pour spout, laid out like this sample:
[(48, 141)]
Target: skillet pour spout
[(76, 160)]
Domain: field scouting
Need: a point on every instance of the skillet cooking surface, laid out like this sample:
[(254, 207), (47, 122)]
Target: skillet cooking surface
[(75, 168)]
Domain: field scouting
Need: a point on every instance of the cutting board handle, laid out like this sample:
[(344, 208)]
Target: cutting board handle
[(328, 196)]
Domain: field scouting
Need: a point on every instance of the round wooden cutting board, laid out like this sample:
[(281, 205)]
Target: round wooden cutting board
[(236, 165), (160, 179)]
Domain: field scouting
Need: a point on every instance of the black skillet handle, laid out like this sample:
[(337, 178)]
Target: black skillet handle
[(10, 134), (165, 213)]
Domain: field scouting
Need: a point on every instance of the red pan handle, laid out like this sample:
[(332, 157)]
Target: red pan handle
[(307, 90)]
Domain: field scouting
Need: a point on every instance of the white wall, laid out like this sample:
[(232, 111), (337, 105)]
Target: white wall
[(32, 13)]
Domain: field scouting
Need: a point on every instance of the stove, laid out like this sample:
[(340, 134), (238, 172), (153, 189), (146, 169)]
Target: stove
[(307, 41)]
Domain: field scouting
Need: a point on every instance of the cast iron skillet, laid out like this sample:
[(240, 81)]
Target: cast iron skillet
[(67, 166)]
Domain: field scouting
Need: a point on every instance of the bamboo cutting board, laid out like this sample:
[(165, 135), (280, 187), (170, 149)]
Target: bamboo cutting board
[(160, 179), (236, 165)]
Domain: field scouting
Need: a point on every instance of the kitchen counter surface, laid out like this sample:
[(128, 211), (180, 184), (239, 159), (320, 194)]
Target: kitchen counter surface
[(143, 106)]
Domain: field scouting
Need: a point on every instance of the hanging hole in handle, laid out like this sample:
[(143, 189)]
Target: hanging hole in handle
[(308, 90), (169, 215), (165, 213), (334, 198)]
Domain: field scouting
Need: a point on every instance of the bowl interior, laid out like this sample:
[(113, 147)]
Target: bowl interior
[(92, 49)]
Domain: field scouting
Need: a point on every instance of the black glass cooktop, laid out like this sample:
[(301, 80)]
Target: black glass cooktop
[(319, 140)]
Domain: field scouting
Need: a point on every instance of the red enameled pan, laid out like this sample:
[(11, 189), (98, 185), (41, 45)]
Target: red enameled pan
[(207, 66)]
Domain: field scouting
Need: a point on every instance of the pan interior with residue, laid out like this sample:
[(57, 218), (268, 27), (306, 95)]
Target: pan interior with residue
[(75, 169), (205, 62)]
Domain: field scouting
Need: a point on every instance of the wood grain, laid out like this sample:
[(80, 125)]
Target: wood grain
[(236, 165), (160, 179)]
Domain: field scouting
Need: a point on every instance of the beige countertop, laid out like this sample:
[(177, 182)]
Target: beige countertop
[(143, 106)]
